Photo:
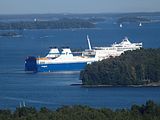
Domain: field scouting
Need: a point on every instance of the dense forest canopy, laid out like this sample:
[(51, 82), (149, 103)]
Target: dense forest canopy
[(139, 67), (149, 111)]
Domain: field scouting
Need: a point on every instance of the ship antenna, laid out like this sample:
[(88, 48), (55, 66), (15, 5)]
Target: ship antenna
[(89, 44)]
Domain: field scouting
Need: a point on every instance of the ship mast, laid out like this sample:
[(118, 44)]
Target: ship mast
[(89, 44)]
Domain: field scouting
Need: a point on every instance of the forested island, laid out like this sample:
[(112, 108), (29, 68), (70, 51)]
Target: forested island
[(65, 23), (139, 68), (9, 34), (149, 111), (130, 19)]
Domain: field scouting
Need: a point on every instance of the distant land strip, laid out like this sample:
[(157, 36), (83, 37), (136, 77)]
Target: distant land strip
[(55, 24)]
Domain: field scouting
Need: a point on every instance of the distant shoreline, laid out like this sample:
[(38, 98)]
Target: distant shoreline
[(157, 84), (65, 23), (91, 13)]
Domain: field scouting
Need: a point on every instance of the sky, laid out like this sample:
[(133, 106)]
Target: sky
[(77, 6)]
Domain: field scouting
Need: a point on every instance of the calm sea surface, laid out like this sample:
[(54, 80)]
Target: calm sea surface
[(54, 89)]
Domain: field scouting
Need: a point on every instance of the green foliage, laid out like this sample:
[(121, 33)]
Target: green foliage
[(137, 67), (149, 111), (24, 111), (5, 115)]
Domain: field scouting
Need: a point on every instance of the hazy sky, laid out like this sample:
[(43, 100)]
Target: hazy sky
[(77, 6)]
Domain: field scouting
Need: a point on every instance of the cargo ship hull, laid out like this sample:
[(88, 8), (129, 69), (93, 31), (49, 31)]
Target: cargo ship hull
[(32, 66), (61, 67)]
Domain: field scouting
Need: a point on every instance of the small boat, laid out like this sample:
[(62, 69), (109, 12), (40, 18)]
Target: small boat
[(140, 24), (120, 25)]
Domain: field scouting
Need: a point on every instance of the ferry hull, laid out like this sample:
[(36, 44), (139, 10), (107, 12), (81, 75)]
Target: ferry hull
[(60, 67), (31, 65)]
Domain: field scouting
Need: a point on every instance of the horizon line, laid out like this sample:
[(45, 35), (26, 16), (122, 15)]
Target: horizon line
[(68, 13)]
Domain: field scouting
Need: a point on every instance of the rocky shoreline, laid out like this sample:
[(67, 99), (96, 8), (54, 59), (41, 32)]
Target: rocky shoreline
[(154, 84)]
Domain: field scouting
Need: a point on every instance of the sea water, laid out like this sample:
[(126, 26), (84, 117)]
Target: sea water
[(55, 89)]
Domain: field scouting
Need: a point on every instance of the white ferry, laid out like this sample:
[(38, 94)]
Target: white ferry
[(66, 61), (101, 53)]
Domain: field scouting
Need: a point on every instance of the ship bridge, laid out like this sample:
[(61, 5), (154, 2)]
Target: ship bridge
[(66, 52), (53, 53)]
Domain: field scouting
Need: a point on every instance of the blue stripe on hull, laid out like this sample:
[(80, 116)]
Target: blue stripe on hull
[(61, 67)]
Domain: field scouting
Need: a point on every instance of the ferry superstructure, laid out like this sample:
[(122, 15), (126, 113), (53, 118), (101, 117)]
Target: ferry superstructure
[(101, 53), (65, 61)]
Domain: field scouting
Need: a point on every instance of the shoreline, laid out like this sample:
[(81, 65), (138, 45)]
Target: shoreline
[(105, 86)]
